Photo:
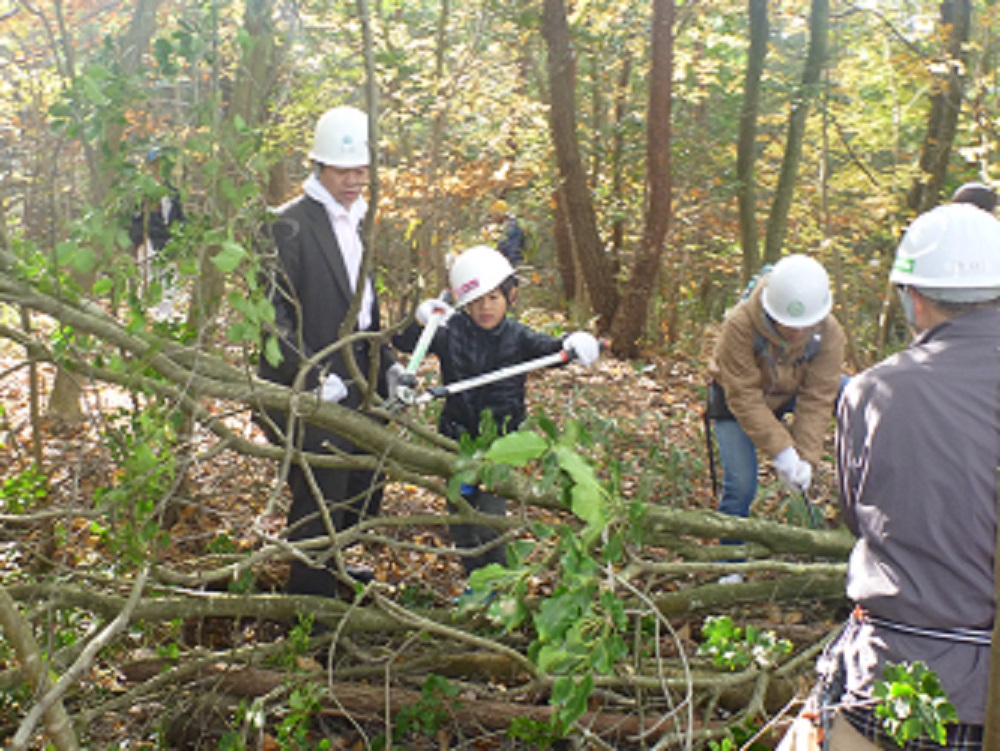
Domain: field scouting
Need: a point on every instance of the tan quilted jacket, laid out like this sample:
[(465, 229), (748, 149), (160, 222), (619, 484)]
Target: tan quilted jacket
[(757, 384)]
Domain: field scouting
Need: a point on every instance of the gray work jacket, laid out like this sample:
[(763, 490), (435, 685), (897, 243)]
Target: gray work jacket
[(918, 442)]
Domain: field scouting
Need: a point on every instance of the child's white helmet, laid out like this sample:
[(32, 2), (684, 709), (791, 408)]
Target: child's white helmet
[(478, 270), (797, 292), (341, 138)]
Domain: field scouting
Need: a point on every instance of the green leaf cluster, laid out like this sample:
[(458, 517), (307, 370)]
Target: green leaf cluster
[(579, 629), (912, 703), (425, 716), (293, 730), (143, 445), (24, 490), (731, 647)]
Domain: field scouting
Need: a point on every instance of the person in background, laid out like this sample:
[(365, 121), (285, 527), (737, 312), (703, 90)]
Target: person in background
[(780, 352), (481, 338), (150, 231), (977, 194), (918, 447), (511, 240), (313, 280)]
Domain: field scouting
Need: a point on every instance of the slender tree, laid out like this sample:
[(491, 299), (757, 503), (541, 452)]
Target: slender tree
[(777, 221), (64, 401), (600, 284), (946, 105), (630, 317), (746, 148), (245, 107)]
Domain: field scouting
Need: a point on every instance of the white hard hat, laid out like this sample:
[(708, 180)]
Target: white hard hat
[(951, 253), (479, 270), (797, 292), (341, 138)]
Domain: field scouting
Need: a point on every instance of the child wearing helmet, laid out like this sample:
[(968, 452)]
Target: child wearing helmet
[(779, 353), (480, 338)]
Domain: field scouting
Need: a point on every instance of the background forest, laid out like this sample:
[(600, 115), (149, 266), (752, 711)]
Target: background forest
[(657, 154)]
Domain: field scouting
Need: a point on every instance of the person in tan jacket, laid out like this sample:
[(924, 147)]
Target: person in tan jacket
[(780, 352)]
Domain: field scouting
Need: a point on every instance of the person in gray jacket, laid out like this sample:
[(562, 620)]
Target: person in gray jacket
[(918, 446)]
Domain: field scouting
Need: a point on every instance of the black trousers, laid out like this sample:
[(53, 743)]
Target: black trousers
[(349, 495), (472, 536)]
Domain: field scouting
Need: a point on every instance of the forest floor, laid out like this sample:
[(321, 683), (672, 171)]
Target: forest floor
[(649, 411)]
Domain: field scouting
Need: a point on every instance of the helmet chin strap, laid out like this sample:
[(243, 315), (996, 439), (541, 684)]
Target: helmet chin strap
[(906, 301)]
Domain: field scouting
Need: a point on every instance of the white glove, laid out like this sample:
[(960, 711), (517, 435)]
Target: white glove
[(585, 346), (332, 388), (792, 470), (429, 307)]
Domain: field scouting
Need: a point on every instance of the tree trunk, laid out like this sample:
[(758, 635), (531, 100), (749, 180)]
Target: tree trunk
[(247, 104), (618, 166), (598, 116), (564, 245), (777, 221), (64, 402), (946, 105), (630, 318), (572, 174), (430, 236), (746, 147)]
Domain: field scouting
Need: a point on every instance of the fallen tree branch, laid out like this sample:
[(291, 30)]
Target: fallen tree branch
[(18, 632)]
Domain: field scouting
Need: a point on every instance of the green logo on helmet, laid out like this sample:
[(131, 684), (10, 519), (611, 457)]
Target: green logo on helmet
[(904, 264), (796, 309)]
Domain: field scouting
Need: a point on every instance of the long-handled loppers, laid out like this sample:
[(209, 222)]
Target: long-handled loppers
[(406, 393), (439, 392)]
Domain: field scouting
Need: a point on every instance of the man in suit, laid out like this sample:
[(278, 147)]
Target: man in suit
[(317, 270), (153, 224)]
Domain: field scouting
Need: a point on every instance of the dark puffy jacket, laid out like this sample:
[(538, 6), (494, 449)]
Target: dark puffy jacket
[(465, 350)]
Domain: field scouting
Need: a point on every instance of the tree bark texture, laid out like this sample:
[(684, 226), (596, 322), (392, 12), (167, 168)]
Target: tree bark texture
[(746, 146), (617, 163), (572, 172), (563, 239), (946, 105), (777, 221), (631, 315)]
